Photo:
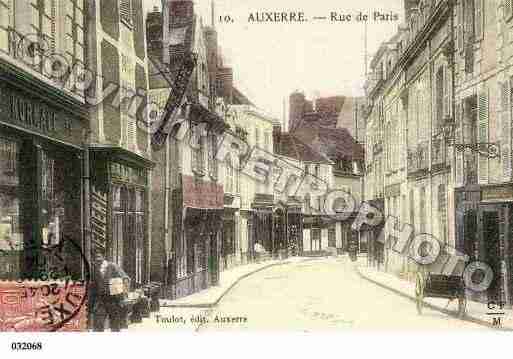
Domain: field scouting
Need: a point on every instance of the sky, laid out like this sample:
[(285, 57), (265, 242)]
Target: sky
[(318, 57)]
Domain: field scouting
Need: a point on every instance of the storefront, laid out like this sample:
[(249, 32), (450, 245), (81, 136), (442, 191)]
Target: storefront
[(262, 223), (120, 209), (198, 208), (315, 234), (369, 236), (229, 242), (41, 203), (294, 228), (484, 232)]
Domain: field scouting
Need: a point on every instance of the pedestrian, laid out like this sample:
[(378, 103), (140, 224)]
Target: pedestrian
[(107, 294)]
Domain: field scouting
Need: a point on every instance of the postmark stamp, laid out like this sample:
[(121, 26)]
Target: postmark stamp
[(53, 300)]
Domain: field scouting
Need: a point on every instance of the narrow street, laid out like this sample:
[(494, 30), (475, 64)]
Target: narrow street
[(323, 295), (318, 295)]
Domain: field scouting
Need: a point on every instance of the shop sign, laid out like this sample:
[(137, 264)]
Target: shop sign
[(20, 109), (99, 217), (123, 173), (497, 193), (207, 195)]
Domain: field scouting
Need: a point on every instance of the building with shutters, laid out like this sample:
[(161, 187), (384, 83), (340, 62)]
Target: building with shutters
[(119, 146), (410, 96), (43, 118), (320, 162), (188, 200), (449, 70), (483, 183), (255, 193)]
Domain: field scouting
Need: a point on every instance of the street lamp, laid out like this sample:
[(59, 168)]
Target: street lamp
[(489, 149)]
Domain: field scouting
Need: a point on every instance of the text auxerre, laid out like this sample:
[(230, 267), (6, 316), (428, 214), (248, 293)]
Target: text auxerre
[(290, 16)]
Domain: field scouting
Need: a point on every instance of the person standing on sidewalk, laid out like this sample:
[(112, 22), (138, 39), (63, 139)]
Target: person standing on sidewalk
[(106, 298)]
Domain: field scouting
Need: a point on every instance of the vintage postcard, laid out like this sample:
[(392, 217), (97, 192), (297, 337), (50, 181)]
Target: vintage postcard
[(249, 166)]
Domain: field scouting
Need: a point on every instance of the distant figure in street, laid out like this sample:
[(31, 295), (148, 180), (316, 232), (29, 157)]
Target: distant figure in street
[(107, 296), (259, 250)]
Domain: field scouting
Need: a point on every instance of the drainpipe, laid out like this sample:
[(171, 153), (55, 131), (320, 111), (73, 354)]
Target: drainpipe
[(86, 213), (166, 211)]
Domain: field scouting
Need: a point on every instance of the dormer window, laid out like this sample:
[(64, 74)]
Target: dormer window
[(126, 12)]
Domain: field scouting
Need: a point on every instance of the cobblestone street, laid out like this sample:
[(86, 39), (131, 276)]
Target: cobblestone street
[(324, 294)]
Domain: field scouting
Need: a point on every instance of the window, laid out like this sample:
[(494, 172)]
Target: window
[(198, 150), (442, 212), (11, 236), (212, 160), (267, 141), (74, 31), (508, 10), (315, 239), (345, 165), (257, 137), (439, 87), (412, 208), (5, 22), (126, 12), (332, 237), (127, 92), (229, 174), (128, 222), (422, 210), (43, 22), (473, 20), (237, 171)]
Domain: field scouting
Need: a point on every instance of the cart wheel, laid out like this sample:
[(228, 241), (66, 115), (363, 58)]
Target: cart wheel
[(419, 292), (462, 305)]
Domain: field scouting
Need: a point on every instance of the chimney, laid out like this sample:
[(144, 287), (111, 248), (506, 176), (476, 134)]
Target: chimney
[(409, 5), (154, 34), (225, 83), (276, 137), (296, 108)]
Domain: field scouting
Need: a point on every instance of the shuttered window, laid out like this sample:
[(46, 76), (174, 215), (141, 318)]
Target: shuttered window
[(483, 134), (73, 46), (422, 210), (198, 149), (442, 212), (508, 9), (505, 139), (459, 27), (212, 160), (469, 20), (479, 19), (42, 15), (457, 138), (129, 135), (126, 12), (439, 88), (412, 208), (5, 22)]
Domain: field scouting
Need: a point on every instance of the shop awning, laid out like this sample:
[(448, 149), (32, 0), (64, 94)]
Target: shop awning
[(120, 153)]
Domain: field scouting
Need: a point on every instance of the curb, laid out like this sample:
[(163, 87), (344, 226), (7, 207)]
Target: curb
[(216, 302), (450, 313)]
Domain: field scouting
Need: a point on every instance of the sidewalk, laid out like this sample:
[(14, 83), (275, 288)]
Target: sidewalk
[(228, 279), (476, 312)]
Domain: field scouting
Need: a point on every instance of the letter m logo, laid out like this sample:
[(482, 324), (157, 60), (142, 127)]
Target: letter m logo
[(497, 322)]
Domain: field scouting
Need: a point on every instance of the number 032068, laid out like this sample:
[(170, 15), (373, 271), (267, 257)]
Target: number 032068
[(26, 346)]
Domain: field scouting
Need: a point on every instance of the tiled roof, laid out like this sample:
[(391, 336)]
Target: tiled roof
[(291, 146), (239, 98), (335, 143)]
